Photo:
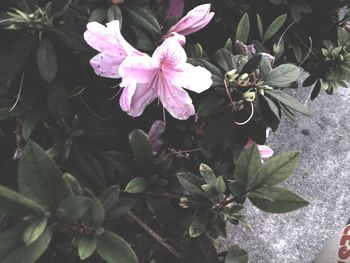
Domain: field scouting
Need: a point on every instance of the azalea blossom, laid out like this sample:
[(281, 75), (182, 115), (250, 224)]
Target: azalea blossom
[(162, 76), (112, 46), (176, 8), (194, 21), (265, 151)]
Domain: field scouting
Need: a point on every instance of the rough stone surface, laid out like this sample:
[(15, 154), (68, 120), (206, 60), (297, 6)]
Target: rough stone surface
[(323, 178)]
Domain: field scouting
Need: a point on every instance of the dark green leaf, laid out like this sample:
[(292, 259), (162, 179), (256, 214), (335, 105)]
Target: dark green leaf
[(72, 184), (243, 29), (316, 90), (136, 185), (278, 169), (200, 250), (109, 197), (207, 174), (248, 165), (199, 224), (260, 26), (343, 37), (15, 204), (114, 13), (31, 253), (282, 76), (113, 249), (95, 214), (238, 190), (190, 182), (276, 200), (225, 59), (87, 246), (210, 105), (274, 27), (34, 230), (39, 177), (98, 15), (120, 208), (11, 239), (142, 18), (236, 255), (289, 101), (73, 208), (142, 149), (274, 109), (46, 60), (252, 64)]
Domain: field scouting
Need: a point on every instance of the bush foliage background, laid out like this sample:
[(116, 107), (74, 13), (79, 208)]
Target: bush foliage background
[(82, 180)]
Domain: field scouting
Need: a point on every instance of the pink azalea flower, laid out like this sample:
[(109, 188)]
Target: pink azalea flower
[(113, 47), (265, 151), (162, 76), (194, 21)]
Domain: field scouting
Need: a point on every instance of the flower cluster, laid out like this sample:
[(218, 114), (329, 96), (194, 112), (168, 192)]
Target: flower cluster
[(146, 78)]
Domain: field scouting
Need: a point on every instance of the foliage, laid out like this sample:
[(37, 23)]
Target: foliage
[(82, 180)]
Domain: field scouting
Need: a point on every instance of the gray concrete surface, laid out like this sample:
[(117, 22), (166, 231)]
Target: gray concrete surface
[(323, 178)]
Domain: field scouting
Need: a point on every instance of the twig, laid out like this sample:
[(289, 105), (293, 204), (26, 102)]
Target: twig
[(308, 53), (89, 108), (250, 117), (155, 235)]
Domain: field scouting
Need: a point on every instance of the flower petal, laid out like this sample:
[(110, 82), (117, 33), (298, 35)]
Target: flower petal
[(140, 69), (176, 100), (265, 151), (106, 65), (195, 20), (135, 98), (170, 55), (176, 8), (194, 78)]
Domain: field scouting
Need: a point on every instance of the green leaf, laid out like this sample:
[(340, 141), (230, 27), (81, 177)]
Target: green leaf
[(243, 29), (142, 149), (73, 208), (237, 189), (46, 60), (136, 185), (248, 164), (31, 253), (225, 59), (282, 75), (278, 169), (207, 174), (197, 51), (210, 105), (39, 177), (98, 15), (73, 185), (289, 101), (142, 18), (236, 255), (113, 249), (229, 45), (95, 214), (199, 224), (120, 208), (283, 200), (252, 64), (220, 185), (109, 197), (274, 27), (114, 13), (190, 182), (87, 246), (274, 109), (11, 239), (343, 36), (15, 204), (260, 26), (34, 230), (27, 127)]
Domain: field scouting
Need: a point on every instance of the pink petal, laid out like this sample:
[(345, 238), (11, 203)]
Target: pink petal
[(140, 69), (176, 8), (194, 78), (195, 20), (142, 96), (106, 65), (170, 54), (127, 93), (265, 151), (176, 100)]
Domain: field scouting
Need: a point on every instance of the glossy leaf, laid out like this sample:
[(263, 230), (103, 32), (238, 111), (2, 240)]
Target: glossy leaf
[(243, 28), (142, 149), (136, 185), (276, 200), (34, 230), (282, 75), (274, 27), (87, 246), (46, 60), (113, 249)]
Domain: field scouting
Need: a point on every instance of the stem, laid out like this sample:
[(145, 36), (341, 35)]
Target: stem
[(154, 235)]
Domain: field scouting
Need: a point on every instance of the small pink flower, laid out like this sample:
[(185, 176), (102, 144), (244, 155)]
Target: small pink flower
[(194, 21), (113, 47), (265, 151), (163, 76)]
